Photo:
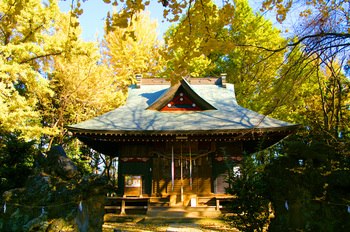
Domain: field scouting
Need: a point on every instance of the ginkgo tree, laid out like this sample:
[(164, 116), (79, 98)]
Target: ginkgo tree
[(134, 50), (49, 76), (83, 88), (187, 53), (25, 42)]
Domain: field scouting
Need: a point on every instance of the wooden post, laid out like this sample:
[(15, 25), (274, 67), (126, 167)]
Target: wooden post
[(141, 185), (138, 80), (217, 204), (122, 208), (223, 80)]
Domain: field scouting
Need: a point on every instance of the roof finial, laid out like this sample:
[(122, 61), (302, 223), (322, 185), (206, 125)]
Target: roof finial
[(188, 78), (138, 80), (223, 80)]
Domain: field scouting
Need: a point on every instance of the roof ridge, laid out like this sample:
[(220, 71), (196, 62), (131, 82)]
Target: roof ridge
[(191, 80)]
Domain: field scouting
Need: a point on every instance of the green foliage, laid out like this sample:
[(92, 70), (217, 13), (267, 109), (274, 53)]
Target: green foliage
[(16, 160), (78, 153), (308, 189), (188, 51), (250, 68), (251, 205)]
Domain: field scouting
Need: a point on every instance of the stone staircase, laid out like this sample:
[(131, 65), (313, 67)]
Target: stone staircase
[(171, 207)]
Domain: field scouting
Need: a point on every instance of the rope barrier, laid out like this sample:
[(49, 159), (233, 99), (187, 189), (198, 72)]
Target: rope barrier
[(326, 202), (329, 203), (37, 206), (6, 204)]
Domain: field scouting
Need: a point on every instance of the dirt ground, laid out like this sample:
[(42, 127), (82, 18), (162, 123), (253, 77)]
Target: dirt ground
[(166, 225)]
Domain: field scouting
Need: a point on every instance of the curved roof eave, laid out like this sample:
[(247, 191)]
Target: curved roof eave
[(183, 132)]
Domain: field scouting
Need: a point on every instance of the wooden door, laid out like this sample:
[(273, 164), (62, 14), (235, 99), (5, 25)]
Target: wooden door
[(201, 176)]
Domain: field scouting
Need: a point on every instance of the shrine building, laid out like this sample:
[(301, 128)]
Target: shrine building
[(172, 142)]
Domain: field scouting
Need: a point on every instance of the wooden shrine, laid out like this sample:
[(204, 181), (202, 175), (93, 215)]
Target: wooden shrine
[(172, 141)]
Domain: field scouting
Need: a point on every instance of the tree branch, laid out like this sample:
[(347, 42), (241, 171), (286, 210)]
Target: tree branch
[(41, 56), (322, 35)]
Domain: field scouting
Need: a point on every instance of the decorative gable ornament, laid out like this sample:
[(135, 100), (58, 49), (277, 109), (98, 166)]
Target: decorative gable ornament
[(181, 97)]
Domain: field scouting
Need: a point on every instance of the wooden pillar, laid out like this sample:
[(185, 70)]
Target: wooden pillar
[(217, 204), (182, 185)]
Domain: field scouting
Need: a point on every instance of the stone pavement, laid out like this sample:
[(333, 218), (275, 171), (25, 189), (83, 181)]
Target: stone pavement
[(183, 227)]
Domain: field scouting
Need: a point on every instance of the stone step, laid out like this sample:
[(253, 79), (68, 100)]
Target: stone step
[(159, 204), (181, 220), (184, 208), (209, 201), (182, 212)]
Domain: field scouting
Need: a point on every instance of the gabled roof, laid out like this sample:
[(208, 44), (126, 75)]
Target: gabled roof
[(141, 115), (181, 90)]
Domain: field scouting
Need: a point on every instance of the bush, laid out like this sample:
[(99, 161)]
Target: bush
[(251, 206), (16, 161)]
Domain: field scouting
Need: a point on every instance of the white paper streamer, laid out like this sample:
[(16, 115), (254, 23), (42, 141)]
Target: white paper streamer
[(348, 208), (80, 207), (4, 207), (286, 205)]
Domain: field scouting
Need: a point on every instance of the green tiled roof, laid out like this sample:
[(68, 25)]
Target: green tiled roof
[(134, 117)]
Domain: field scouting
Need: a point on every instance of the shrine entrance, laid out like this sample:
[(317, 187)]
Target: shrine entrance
[(173, 142), (182, 175)]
